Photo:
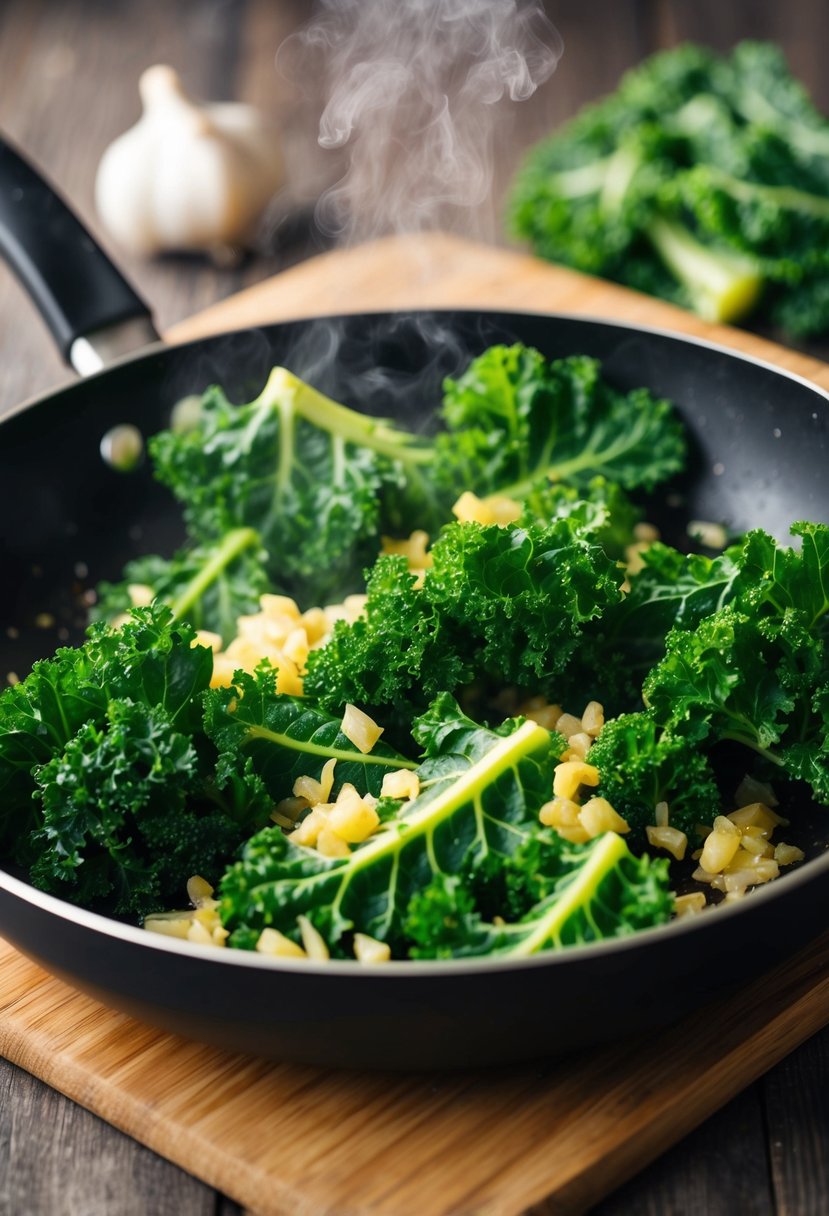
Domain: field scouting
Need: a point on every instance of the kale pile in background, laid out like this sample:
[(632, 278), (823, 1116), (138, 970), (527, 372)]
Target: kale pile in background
[(122, 772), (702, 179)]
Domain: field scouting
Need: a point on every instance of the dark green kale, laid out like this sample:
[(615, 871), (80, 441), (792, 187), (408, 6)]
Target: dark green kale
[(210, 586), (505, 605), (671, 590), (515, 419), (110, 793), (559, 894), (119, 821), (284, 737), (755, 671), (481, 791), (702, 179), (610, 514), (301, 470), (641, 765)]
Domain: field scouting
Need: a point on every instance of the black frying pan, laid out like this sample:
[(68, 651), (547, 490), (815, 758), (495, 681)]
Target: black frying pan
[(69, 519)]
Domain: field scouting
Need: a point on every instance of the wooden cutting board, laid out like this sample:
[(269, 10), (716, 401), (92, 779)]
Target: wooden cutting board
[(286, 1140)]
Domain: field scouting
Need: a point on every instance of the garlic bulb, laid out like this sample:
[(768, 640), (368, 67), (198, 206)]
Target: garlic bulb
[(187, 176)]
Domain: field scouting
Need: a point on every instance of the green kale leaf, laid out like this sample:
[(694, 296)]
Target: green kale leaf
[(283, 737), (561, 895), (303, 471), (514, 419), (210, 586), (702, 179), (481, 791), (506, 605), (640, 766)]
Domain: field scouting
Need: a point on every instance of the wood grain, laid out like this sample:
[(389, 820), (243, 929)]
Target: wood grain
[(67, 86), (284, 1139), (105, 1172), (438, 270)]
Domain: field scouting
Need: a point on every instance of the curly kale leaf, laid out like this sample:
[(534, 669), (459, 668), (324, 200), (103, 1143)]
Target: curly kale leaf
[(303, 471), (607, 512), (481, 791), (737, 676), (110, 793), (285, 737), (755, 671), (640, 766), (702, 179), (506, 605), (672, 590), (560, 895), (119, 822), (514, 418), (210, 586), (150, 660)]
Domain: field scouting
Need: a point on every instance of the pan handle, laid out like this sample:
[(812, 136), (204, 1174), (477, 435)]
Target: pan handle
[(92, 311)]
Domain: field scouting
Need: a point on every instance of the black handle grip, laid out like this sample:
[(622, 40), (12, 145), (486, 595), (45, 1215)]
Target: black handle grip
[(67, 274)]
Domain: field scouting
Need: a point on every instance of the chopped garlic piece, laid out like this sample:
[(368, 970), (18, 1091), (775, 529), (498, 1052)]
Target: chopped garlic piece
[(351, 818), (212, 641), (330, 844), (200, 934), (296, 646), (580, 745), (327, 779), (592, 720), (413, 549), (547, 717), (308, 788), (719, 848), (670, 839), (199, 891), (568, 724), (141, 595), (756, 845), (310, 827), (689, 905), (315, 624), (576, 835), (171, 924), (570, 774), (277, 945), (369, 950), (402, 783), (497, 509), (598, 816), (277, 606), (503, 510), (757, 814), (786, 854), (751, 790), (312, 940), (560, 813), (712, 535), (288, 811), (360, 729)]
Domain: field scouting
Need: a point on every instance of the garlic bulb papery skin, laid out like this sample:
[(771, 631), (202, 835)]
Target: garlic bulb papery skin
[(187, 176)]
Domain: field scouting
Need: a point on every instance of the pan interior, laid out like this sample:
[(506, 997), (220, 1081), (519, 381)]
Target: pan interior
[(70, 519)]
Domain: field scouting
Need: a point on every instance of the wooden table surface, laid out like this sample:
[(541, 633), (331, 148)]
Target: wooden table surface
[(68, 71)]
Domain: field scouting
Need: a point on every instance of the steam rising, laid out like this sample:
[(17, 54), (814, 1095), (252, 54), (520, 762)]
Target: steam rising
[(413, 90)]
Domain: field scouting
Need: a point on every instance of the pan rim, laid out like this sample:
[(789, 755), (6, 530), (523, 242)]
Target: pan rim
[(163, 348), (98, 923)]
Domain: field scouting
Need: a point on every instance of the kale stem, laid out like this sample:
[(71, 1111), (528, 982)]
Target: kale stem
[(233, 543)]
